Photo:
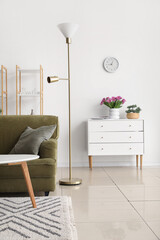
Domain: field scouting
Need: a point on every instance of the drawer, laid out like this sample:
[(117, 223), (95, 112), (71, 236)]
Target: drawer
[(115, 125), (115, 149), (117, 137)]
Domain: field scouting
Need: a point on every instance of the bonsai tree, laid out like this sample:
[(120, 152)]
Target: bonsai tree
[(133, 109)]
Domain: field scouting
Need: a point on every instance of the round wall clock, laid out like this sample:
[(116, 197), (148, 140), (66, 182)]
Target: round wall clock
[(111, 64)]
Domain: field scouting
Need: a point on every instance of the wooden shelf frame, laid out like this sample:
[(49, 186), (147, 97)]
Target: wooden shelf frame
[(4, 93), (19, 94)]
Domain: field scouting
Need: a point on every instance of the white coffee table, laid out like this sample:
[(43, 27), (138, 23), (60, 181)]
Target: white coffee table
[(21, 159)]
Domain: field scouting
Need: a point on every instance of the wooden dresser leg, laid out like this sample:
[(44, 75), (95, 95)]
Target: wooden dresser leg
[(136, 160), (141, 159), (90, 162)]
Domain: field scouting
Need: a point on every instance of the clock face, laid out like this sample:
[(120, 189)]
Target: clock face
[(111, 64)]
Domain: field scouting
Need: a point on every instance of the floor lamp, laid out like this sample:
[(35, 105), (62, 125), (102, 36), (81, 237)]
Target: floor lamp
[(68, 30)]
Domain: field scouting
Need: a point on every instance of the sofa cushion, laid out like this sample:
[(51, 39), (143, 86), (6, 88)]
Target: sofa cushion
[(31, 139), (40, 168), (48, 149), (18, 185)]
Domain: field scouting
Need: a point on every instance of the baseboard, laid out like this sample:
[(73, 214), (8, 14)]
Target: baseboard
[(108, 164)]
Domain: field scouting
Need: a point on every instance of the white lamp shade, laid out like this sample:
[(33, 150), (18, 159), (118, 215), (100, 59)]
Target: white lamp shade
[(68, 29)]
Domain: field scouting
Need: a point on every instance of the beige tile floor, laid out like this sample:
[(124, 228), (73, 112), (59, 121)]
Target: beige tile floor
[(115, 203)]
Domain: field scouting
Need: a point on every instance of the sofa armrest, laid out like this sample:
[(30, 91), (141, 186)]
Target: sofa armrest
[(48, 149)]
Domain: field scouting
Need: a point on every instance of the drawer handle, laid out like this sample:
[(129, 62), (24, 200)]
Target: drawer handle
[(102, 149), (130, 148), (101, 126), (130, 137), (101, 137), (130, 125)]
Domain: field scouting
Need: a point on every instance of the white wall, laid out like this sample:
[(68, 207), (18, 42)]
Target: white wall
[(128, 30)]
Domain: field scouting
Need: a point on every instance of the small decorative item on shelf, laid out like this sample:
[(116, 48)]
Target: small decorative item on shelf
[(114, 104), (0, 111), (133, 112), (32, 113)]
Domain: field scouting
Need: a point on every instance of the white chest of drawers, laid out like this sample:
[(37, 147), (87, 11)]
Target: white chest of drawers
[(116, 137)]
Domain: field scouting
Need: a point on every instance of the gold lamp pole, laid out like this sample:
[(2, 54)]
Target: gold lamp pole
[(68, 30)]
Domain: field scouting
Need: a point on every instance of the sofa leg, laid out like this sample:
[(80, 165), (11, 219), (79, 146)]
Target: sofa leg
[(46, 194)]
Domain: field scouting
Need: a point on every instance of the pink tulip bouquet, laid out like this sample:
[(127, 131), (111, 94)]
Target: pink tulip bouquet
[(113, 102)]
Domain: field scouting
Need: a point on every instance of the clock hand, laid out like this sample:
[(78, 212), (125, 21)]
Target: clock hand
[(111, 63)]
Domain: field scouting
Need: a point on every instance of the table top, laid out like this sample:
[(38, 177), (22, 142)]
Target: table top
[(14, 158)]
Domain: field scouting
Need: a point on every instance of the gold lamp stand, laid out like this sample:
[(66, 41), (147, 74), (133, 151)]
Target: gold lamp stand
[(66, 29)]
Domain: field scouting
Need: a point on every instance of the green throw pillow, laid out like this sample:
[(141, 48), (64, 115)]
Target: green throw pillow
[(31, 139)]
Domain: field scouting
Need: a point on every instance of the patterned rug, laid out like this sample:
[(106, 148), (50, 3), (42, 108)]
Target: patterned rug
[(52, 219)]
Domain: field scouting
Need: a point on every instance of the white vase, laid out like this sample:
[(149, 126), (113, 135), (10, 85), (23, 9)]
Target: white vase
[(114, 113)]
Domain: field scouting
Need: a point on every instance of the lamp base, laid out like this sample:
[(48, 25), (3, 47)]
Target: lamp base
[(70, 182)]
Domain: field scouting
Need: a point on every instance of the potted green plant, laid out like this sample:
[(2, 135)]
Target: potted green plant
[(0, 111), (114, 104), (133, 112)]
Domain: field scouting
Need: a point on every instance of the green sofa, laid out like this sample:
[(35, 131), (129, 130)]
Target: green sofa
[(43, 170)]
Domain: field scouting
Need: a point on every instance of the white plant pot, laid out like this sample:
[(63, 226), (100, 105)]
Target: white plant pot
[(114, 113)]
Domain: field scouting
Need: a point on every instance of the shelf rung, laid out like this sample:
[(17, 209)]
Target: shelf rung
[(29, 95), (29, 70)]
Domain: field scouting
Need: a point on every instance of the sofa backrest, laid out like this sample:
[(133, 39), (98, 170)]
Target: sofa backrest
[(11, 127)]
